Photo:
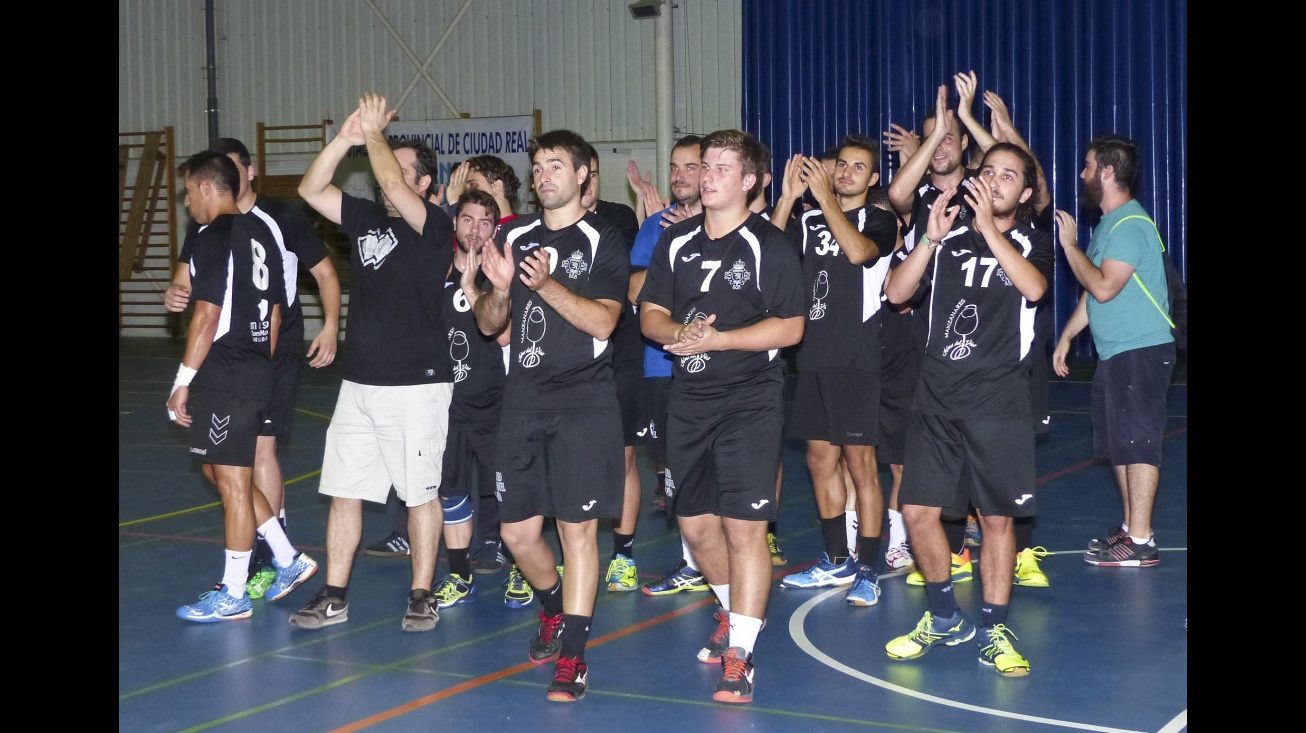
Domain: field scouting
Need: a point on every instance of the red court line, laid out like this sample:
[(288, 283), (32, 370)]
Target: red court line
[(494, 676)]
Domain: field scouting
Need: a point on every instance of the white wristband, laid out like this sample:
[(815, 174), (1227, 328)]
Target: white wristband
[(184, 376)]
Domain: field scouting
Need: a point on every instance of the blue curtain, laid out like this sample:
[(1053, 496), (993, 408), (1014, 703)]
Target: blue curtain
[(1068, 70)]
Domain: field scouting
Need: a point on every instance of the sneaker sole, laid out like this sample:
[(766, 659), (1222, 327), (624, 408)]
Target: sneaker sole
[(778, 561), (551, 658), (708, 658), (510, 603), (215, 619), (837, 583), (564, 697), (1124, 563), (313, 623), (731, 697), (385, 553), (672, 591), (459, 602), (298, 582), (619, 588), (1037, 583), (861, 603), (1013, 672)]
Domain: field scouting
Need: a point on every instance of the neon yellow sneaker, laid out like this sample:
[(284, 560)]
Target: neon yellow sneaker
[(929, 633), (622, 575), (1028, 573), (996, 651), (962, 570), (777, 555)]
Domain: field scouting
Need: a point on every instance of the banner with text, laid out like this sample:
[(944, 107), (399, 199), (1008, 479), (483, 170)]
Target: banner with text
[(456, 140)]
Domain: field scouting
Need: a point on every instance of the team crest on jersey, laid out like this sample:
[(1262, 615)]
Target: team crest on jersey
[(820, 291), (459, 350), (575, 265), (737, 275), (375, 246), (532, 332), (962, 322)]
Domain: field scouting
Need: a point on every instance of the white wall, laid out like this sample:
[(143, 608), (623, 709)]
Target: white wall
[(587, 65)]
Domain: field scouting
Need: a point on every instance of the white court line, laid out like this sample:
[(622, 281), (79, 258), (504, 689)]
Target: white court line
[(800, 638)]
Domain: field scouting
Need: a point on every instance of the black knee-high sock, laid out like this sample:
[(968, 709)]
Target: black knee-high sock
[(868, 551), (575, 634), (1024, 530), (459, 563), (487, 510), (835, 531), (955, 531), (552, 600), (623, 544)]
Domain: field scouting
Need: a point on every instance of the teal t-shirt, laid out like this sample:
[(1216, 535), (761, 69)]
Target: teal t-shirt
[(1129, 320)]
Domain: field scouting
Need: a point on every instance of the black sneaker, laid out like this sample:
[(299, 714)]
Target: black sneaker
[(392, 546), (422, 614), (716, 643), (1106, 542), (570, 680), (323, 610), (736, 683), (490, 558), (1125, 554), (546, 645)]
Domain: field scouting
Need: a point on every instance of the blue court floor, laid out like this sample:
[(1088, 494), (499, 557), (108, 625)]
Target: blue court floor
[(1108, 647)]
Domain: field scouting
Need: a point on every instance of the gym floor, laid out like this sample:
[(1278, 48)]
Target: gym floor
[(1108, 647)]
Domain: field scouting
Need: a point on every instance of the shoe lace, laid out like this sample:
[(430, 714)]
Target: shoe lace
[(549, 627), (568, 668), (733, 668), (722, 628), (924, 634), (619, 567), (1027, 559), (516, 581), (446, 589), (999, 644), (771, 543), (421, 605)]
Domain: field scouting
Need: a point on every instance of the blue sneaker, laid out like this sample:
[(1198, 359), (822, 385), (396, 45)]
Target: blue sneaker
[(823, 574), (453, 590), (866, 587), (289, 578), (929, 633), (217, 605), (622, 574), (681, 579)]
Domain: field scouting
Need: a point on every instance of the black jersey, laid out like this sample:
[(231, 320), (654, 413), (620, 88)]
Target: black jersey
[(234, 264), (627, 343), (744, 277), (843, 327), (298, 243), (479, 367), (395, 335), (981, 329), (552, 364)]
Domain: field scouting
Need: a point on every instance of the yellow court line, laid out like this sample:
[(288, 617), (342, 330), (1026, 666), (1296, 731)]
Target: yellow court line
[(202, 507)]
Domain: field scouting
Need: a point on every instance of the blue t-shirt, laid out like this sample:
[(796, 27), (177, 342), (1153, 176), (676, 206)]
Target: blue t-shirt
[(657, 362)]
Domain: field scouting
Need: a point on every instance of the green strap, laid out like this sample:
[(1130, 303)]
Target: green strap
[(1147, 292)]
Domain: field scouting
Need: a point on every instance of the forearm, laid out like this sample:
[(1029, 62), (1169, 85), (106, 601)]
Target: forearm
[(199, 338), (328, 290), (385, 167), (492, 311), (903, 280), (316, 187), (1090, 276), (1078, 321), (1024, 275), (771, 333), (598, 318), (656, 324), (856, 247), (902, 189), (784, 208)]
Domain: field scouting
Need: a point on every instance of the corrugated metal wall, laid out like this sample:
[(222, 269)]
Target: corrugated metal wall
[(1068, 70), (586, 65)]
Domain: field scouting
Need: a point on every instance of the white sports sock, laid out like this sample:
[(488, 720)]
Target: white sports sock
[(236, 572), (283, 553), (897, 530), (1141, 542), (850, 524), (743, 631), (689, 556), (722, 594)]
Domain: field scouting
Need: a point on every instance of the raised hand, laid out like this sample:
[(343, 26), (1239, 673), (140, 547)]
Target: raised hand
[(374, 115), (497, 266), (535, 269), (966, 84), (1067, 230), (980, 197), (902, 141), (941, 216), (1000, 118), (794, 183), (352, 130), (457, 182)]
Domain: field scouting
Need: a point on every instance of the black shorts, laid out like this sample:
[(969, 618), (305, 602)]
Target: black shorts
[(567, 465), (1040, 372), (953, 463), (467, 452), (654, 418), (629, 376), (725, 463), (841, 408), (224, 429), (904, 354), (1128, 405), (285, 364)]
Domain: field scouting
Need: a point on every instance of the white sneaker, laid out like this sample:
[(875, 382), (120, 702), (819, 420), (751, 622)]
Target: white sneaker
[(898, 557)]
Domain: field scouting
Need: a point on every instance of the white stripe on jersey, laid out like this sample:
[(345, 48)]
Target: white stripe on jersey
[(873, 287), (934, 264), (861, 219), (1028, 309), (512, 236), (592, 235), (290, 260), (224, 318), (679, 242), (756, 246), (803, 222)]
